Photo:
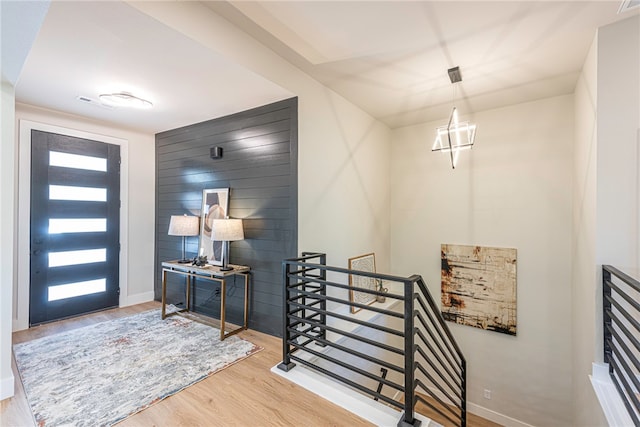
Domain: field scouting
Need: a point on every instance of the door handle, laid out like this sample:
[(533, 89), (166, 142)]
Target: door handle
[(37, 252)]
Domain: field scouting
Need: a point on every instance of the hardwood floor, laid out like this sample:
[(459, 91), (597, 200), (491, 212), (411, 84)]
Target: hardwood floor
[(244, 394)]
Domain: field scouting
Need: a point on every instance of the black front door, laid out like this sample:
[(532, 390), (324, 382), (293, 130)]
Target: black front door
[(75, 226)]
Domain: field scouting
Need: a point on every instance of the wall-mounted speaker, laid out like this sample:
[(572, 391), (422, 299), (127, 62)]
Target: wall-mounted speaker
[(215, 152)]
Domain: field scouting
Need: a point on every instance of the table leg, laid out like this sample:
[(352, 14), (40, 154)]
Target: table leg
[(164, 292), (246, 300), (223, 309), (188, 302)]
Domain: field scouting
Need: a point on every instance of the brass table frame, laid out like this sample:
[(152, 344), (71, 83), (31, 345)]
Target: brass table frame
[(211, 273)]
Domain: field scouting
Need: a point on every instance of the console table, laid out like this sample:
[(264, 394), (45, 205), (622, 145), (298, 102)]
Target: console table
[(211, 273)]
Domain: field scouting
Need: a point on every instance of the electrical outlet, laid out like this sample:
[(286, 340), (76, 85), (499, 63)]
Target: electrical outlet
[(487, 394)]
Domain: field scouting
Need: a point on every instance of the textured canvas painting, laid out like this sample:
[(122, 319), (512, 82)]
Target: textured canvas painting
[(479, 287)]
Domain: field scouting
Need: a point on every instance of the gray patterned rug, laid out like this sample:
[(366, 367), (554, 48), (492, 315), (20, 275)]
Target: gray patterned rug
[(100, 374)]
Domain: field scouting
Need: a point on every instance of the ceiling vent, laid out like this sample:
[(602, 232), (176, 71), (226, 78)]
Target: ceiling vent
[(628, 5), (95, 102)]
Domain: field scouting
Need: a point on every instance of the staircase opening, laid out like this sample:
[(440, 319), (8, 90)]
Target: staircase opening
[(400, 352)]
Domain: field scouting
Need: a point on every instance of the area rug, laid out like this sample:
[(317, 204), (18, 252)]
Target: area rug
[(100, 374)]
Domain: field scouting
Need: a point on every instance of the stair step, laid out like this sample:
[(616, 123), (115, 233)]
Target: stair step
[(343, 396)]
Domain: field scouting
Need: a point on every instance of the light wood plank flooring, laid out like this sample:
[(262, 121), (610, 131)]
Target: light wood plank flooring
[(244, 394)]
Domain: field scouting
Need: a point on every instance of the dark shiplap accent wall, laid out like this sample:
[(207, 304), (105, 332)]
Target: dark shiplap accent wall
[(259, 165)]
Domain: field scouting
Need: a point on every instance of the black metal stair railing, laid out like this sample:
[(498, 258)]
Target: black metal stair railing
[(400, 357), (621, 314)]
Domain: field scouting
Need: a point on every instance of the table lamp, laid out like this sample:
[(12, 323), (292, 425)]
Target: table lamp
[(183, 225), (226, 230)]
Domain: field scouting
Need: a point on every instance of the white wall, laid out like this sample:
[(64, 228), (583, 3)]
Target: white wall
[(138, 249), (343, 181), (19, 25), (7, 243), (586, 296), (607, 191), (513, 189), (343, 167), (618, 142)]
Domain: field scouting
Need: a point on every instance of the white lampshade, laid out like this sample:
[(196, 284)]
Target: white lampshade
[(183, 225), (227, 230)]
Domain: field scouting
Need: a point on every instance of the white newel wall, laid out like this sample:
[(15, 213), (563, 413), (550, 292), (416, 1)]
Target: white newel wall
[(513, 189), (618, 123), (586, 410), (615, 199)]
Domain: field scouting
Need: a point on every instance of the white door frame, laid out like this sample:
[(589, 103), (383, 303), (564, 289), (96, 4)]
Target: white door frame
[(21, 294)]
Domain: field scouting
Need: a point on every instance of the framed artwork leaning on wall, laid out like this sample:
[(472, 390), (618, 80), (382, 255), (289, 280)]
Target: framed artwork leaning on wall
[(362, 263)]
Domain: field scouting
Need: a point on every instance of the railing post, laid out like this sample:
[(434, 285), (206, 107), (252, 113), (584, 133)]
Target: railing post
[(286, 364), (409, 372), (606, 320), (322, 260), (323, 292), (464, 392)]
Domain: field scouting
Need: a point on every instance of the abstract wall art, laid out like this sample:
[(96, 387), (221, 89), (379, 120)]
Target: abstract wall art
[(215, 205), (479, 287)]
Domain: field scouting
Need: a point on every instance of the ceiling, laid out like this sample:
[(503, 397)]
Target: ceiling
[(391, 57), (88, 48), (388, 57)]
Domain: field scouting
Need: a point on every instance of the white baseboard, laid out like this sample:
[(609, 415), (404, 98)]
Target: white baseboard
[(494, 416), (488, 414), (18, 325), (7, 389), (137, 299)]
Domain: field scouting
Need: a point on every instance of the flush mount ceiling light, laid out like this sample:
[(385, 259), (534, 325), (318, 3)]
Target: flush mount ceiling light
[(124, 99), (455, 136)]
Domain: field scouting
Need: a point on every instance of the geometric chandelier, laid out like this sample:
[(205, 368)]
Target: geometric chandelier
[(455, 136)]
